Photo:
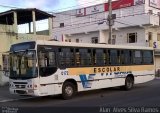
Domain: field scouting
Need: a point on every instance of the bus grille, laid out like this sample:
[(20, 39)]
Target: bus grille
[(21, 92), (20, 86), (20, 82)]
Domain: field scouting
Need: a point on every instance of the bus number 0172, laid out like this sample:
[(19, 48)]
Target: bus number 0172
[(64, 72)]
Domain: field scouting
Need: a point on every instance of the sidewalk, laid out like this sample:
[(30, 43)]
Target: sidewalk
[(5, 94), (3, 79), (157, 78)]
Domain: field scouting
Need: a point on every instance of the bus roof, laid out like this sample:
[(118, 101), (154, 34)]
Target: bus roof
[(74, 44)]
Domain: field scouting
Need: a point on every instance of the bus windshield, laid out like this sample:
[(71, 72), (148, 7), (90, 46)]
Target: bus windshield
[(23, 64)]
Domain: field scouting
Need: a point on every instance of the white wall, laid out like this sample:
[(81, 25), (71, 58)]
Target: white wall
[(121, 35), (126, 17), (147, 7), (83, 37)]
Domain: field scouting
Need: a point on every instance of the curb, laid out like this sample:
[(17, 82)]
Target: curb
[(158, 78), (4, 84)]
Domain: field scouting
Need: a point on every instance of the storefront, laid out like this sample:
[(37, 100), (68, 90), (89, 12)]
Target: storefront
[(157, 61)]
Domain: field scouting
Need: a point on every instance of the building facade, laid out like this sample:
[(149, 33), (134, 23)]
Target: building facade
[(135, 22), (11, 32)]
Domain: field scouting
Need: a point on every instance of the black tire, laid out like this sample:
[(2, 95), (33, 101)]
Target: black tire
[(129, 83), (68, 90)]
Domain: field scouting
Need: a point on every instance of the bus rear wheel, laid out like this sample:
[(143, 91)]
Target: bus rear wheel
[(129, 82), (68, 90)]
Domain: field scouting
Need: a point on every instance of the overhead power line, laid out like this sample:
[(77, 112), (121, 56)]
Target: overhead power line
[(87, 4), (60, 9), (8, 6), (74, 15), (96, 22)]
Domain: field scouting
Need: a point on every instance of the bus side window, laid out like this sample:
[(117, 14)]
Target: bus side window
[(88, 57), (47, 63), (51, 58), (122, 57), (60, 56), (100, 57), (94, 57), (41, 57), (108, 60), (137, 57), (66, 57), (126, 57), (105, 56), (113, 57), (77, 57), (83, 57), (72, 62), (118, 57), (147, 57)]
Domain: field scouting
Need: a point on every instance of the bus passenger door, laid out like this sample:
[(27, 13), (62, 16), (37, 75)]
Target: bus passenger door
[(47, 69)]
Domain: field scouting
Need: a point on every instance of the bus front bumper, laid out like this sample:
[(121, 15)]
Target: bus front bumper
[(29, 92)]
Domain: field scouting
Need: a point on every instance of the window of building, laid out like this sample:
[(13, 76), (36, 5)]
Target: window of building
[(132, 37), (150, 11), (77, 40), (66, 40), (94, 40), (113, 39), (5, 62), (150, 34), (158, 37), (61, 24)]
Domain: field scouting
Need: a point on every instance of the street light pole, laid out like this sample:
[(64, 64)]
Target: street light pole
[(110, 21)]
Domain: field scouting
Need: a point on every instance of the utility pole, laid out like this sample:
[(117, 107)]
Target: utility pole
[(110, 21)]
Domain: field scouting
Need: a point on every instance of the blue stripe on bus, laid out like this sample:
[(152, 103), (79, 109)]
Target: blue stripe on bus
[(83, 80), (86, 82)]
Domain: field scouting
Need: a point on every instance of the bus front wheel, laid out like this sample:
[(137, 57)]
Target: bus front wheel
[(68, 90), (129, 82)]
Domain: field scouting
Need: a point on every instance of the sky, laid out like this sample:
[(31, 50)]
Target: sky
[(47, 5)]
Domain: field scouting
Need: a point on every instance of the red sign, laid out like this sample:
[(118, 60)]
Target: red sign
[(81, 12), (95, 9), (154, 3), (119, 4)]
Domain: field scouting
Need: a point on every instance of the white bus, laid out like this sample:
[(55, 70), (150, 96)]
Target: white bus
[(41, 68)]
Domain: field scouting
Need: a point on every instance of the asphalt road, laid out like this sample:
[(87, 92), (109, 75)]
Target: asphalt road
[(142, 95)]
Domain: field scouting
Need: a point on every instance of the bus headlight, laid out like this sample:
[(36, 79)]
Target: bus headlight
[(35, 86), (11, 85), (29, 86), (32, 86)]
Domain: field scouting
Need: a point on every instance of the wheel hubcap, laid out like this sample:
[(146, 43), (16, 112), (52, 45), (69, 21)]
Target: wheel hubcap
[(129, 84), (69, 90)]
